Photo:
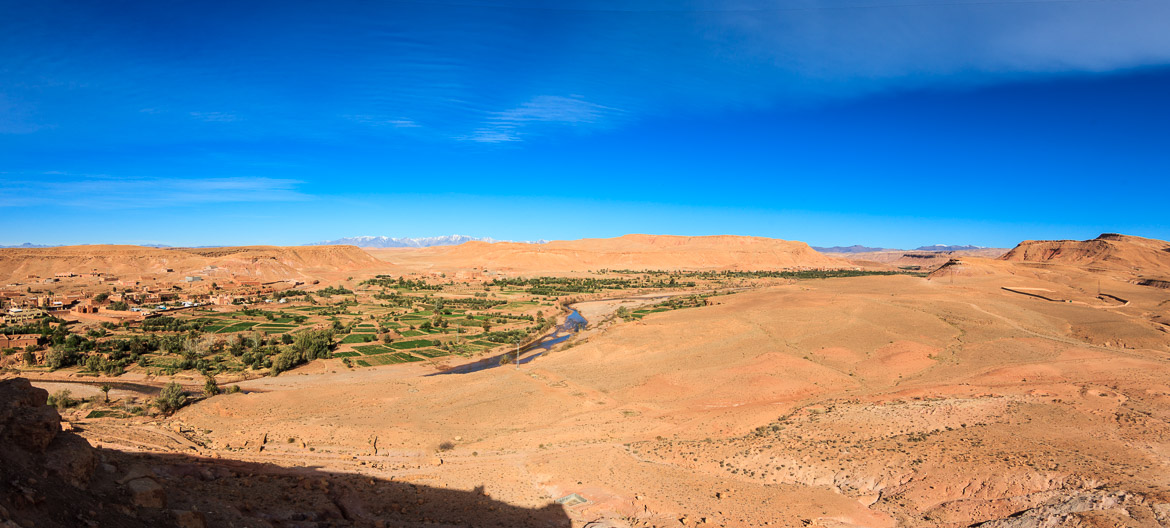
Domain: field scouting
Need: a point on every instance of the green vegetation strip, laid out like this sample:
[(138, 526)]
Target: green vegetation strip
[(431, 352), (372, 350), (238, 327), (407, 345), (390, 359), (359, 338)]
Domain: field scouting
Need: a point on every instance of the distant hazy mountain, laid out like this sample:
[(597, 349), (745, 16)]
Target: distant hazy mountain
[(865, 249), (942, 247), (389, 242), (848, 249), (28, 245)]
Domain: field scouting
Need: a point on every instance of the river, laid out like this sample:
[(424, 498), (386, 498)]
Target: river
[(574, 322)]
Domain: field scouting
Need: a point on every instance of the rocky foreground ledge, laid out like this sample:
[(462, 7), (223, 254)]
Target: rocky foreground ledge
[(51, 478)]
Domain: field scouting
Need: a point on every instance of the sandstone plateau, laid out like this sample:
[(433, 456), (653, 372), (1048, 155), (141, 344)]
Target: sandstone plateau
[(633, 252), (131, 262)]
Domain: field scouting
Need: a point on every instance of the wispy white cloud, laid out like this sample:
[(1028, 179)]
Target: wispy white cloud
[(382, 121), (511, 124), (215, 117), (490, 81), (106, 192)]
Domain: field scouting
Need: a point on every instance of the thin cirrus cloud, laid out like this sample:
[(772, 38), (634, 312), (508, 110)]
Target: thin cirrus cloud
[(105, 192), (715, 56), (512, 124), (215, 117), (494, 71)]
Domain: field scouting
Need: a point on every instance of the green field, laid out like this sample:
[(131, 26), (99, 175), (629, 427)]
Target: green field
[(359, 338), (390, 359), (372, 350), (345, 354), (238, 327), (431, 352), (407, 345)]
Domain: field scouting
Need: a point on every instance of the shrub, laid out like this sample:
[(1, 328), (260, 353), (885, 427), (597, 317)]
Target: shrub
[(62, 399), (171, 398), (210, 387)]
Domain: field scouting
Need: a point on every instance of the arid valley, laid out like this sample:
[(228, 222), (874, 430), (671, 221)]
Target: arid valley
[(663, 381)]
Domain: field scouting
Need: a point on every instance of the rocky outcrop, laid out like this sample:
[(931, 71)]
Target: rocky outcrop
[(1109, 251), (30, 432), (47, 477), (1067, 510)]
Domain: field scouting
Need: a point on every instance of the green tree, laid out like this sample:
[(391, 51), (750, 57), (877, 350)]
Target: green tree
[(210, 387), (60, 358), (105, 388), (171, 398)]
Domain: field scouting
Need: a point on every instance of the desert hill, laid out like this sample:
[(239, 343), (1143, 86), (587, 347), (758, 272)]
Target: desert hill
[(626, 252), (923, 259), (1108, 252), (259, 262)]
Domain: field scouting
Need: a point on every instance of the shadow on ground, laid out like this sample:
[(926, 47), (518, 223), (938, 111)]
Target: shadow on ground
[(52, 478), (235, 493)]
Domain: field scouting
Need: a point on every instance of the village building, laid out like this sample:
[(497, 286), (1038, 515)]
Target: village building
[(17, 316), (18, 340)]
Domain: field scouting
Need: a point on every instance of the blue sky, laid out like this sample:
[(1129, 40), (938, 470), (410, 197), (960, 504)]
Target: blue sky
[(885, 123)]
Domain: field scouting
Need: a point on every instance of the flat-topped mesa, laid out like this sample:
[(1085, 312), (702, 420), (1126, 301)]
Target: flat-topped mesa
[(259, 262), (1110, 251), (635, 252)]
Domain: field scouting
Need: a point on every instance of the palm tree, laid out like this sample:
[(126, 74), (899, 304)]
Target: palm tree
[(105, 388)]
